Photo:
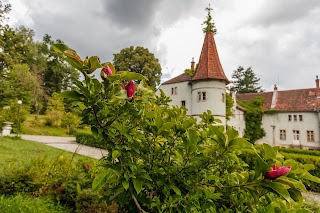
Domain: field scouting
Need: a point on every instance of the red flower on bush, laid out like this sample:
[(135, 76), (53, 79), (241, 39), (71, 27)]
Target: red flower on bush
[(131, 88), (107, 71), (277, 171)]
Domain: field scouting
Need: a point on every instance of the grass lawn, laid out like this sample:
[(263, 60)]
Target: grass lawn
[(19, 151)]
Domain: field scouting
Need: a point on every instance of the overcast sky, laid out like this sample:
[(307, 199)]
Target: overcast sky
[(279, 39)]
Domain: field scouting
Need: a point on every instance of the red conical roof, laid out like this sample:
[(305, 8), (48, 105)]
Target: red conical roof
[(209, 66)]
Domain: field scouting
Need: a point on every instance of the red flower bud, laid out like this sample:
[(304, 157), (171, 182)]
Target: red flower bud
[(131, 88), (277, 171), (107, 71)]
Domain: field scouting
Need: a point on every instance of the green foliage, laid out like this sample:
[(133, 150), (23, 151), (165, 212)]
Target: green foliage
[(209, 24), (254, 113), (55, 102), (139, 60), (29, 70), (28, 204), (229, 105), (161, 160), (88, 139), (71, 122), (55, 111), (246, 80), (189, 72)]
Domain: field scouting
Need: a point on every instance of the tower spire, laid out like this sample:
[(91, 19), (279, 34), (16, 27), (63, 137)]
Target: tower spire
[(209, 66)]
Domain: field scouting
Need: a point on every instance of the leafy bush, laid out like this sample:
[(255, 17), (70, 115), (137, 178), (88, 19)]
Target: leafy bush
[(55, 177), (313, 161), (71, 122), (88, 139), (54, 118), (161, 160)]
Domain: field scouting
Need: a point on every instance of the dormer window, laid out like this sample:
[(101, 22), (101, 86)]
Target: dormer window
[(202, 96)]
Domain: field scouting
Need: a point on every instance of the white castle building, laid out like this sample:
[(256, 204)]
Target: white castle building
[(295, 120)]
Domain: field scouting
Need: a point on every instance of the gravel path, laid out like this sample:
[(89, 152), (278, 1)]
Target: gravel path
[(68, 144)]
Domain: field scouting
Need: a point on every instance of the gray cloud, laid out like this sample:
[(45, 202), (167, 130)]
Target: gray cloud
[(276, 38)]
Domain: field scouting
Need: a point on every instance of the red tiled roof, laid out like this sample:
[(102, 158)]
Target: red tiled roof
[(296, 100), (209, 66), (249, 96), (180, 78), (288, 100)]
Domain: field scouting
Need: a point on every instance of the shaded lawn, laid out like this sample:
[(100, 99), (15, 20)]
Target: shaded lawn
[(17, 151)]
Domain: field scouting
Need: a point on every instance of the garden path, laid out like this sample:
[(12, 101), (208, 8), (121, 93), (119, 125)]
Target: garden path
[(68, 144)]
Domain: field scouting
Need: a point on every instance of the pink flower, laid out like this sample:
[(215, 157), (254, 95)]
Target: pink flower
[(131, 88), (107, 71), (277, 171)]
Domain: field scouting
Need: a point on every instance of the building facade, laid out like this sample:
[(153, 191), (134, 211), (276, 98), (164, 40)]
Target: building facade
[(292, 117)]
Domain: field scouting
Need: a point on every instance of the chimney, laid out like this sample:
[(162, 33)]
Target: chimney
[(192, 63), (275, 87), (274, 97), (317, 82)]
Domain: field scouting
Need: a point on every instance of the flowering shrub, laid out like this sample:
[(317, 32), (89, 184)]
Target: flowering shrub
[(161, 160)]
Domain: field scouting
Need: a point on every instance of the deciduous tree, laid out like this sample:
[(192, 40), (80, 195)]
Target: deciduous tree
[(139, 60)]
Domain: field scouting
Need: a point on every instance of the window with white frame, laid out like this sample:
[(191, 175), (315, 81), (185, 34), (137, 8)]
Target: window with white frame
[(300, 118), (289, 117), (295, 118), (296, 135), (183, 103), (283, 134), (202, 96), (310, 136)]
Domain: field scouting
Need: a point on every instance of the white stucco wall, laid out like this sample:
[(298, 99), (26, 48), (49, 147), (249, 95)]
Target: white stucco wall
[(213, 102), (279, 121), (237, 121), (183, 93)]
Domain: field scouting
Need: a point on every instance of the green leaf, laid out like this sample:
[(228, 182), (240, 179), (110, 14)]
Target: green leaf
[(94, 64), (60, 47), (279, 189), (269, 153), (308, 167), (145, 176), (131, 76), (175, 189), (232, 134), (137, 185), (240, 142), (296, 196), (192, 136), (125, 184), (308, 176), (115, 154), (103, 178), (72, 95), (166, 126), (186, 124)]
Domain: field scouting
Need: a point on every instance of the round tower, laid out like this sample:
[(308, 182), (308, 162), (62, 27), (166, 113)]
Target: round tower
[(209, 81)]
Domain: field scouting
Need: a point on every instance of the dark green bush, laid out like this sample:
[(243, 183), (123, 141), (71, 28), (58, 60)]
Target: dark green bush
[(88, 139), (301, 151)]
